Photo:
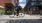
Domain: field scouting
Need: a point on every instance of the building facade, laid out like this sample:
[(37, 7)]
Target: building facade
[(2, 2), (8, 5), (34, 6)]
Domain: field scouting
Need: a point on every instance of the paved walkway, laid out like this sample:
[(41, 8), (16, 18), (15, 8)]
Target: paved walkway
[(6, 17)]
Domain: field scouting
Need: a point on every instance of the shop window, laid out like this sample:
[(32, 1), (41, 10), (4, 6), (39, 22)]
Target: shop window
[(33, 3), (40, 2), (33, 0)]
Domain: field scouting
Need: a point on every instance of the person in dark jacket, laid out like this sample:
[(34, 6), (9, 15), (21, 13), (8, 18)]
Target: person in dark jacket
[(18, 8)]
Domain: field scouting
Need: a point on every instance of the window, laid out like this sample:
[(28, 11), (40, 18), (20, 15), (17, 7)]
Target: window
[(40, 2), (33, 0), (33, 3)]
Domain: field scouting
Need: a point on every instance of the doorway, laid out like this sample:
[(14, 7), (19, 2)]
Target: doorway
[(40, 9), (8, 8), (37, 9)]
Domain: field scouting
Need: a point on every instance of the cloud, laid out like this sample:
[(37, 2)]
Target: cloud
[(20, 0), (24, 1), (22, 5)]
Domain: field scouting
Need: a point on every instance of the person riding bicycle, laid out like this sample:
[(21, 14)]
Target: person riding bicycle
[(18, 8)]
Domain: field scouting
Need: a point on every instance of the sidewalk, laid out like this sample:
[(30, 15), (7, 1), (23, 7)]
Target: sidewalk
[(6, 17)]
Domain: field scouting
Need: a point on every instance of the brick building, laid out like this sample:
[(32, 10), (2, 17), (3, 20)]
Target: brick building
[(2, 2), (8, 5)]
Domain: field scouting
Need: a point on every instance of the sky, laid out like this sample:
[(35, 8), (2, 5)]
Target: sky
[(22, 0), (21, 4)]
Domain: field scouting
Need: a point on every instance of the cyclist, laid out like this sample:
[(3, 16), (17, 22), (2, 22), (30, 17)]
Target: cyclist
[(18, 8)]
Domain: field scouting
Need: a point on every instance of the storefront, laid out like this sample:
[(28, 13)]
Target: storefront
[(36, 7)]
